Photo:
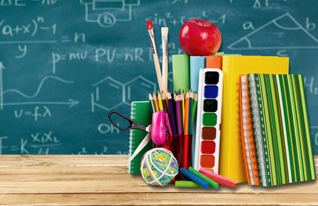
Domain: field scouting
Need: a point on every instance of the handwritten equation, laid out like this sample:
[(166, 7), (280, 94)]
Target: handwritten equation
[(65, 64)]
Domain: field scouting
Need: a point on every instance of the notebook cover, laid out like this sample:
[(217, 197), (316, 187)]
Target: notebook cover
[(214, 62), (181, 72), (231, 159), (140, 112), (247, 133), (286, 123), (196, 63)]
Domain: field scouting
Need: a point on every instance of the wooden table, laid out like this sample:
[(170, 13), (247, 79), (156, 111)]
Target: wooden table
[(103, 180)]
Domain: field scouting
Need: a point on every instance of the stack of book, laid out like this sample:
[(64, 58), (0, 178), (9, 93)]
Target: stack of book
[(275, 106)]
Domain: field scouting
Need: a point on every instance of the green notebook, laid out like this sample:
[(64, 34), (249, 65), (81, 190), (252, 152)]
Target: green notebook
[(181, 72), (285, 127), (140, 112)]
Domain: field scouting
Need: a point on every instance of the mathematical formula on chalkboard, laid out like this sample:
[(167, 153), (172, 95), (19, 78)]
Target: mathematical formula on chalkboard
[(65, 64)]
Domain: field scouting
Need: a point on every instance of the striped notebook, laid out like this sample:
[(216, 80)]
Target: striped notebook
[(281, 128)]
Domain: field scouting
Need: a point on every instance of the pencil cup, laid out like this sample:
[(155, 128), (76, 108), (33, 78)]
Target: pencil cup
[(180, 146)]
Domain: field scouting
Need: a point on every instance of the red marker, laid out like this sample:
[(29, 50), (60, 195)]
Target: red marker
[(218, 178)]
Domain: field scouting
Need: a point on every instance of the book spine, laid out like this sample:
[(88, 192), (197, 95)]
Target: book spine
[(247, 134), (259, 128), (132, 139)]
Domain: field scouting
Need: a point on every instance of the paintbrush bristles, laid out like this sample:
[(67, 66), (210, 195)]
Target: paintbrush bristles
[(164, 31)]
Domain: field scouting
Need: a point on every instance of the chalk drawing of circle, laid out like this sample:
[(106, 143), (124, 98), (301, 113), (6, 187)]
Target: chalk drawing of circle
[(106, 20)]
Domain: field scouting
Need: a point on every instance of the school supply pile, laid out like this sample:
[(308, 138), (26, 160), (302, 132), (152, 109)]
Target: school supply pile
[(276, 107), (265, 138)]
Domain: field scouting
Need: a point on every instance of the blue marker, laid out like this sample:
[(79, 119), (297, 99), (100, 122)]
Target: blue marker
[(194, 178)]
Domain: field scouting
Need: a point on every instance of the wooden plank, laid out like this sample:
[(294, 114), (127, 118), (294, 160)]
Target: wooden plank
[(63, 160), (101, 174), (103, 180), (159, 199)]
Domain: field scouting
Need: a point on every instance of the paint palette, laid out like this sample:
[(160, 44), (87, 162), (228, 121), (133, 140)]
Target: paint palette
[(207, 147)]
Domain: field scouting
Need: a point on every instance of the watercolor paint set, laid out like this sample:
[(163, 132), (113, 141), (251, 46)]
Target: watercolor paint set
[(208, 128)]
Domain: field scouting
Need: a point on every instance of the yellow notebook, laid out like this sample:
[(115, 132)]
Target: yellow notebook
[(231, 157)]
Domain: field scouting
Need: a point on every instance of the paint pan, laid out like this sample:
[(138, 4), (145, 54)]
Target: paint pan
[(207, 150)]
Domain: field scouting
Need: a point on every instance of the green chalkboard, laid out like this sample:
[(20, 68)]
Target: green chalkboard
[(64, 64)]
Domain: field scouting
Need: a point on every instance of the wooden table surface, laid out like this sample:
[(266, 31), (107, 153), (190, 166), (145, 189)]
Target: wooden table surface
[(103, 180)]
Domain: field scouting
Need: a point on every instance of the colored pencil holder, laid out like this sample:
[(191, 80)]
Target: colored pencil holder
[(180, 146)]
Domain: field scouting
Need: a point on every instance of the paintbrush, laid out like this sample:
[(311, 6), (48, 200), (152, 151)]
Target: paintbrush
[(155, 54), (164, 34)]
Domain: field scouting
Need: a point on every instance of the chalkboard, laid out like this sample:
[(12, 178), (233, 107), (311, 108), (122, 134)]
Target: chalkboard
[(65, 64)]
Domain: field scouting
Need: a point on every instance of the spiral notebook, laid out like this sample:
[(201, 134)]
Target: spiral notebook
[(140, 112), (281, 128), (247, 133)]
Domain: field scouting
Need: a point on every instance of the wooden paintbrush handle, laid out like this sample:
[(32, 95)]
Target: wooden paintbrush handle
[(165, 72), (158, 71)]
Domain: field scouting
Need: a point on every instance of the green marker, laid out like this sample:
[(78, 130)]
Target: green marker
[(202, 176)]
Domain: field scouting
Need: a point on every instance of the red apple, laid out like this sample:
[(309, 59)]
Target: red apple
[(199, 38)]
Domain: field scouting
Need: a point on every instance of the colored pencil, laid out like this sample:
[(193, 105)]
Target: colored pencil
[(155, 100), (167, 93), (181, 111), (194, 109), (182, 108), (186, 115), (172, 116), (190, 112), (178, 115), (164, 104), (160, 102), (152, 104)]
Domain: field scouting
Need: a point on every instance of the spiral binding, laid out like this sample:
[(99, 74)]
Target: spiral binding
[(132, 138), (258, 127), (247, 134)]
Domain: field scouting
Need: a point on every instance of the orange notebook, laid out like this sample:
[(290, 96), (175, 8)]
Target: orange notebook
[(214, 62), (247, 134)]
